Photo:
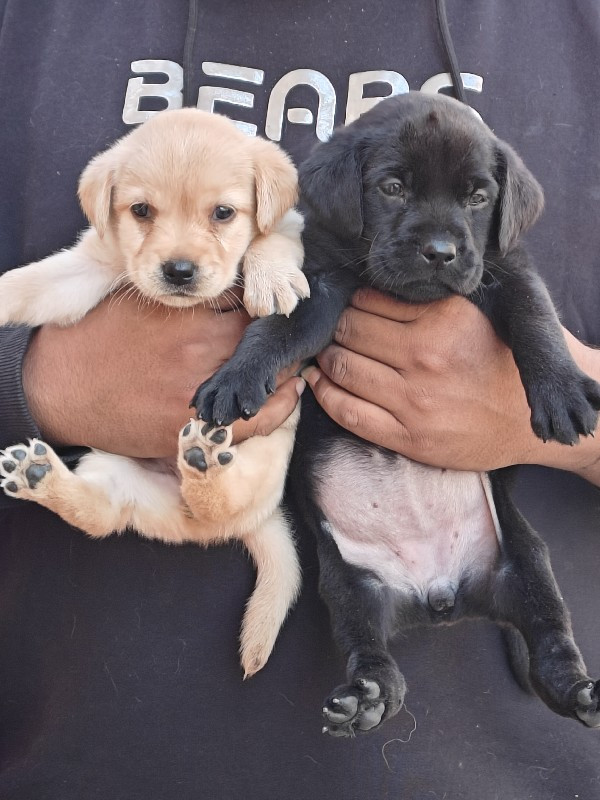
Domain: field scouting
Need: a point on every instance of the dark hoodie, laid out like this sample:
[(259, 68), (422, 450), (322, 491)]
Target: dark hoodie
[(119, 675)]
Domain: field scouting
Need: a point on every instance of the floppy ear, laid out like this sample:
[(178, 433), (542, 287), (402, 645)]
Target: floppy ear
[(521, 197), (276, 181), (331, 184), (95, 189)]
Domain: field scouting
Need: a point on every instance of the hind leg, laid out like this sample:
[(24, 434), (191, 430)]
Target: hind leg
[(105, 493), (362, 618), (527, 596), (229, 486)]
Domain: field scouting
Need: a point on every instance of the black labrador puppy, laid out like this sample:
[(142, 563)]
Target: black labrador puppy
[(419, 199)]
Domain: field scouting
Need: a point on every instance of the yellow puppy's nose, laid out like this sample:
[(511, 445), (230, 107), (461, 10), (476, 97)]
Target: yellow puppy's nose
[(179, 273)]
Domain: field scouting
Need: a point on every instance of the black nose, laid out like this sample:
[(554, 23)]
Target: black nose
[(179, 272), (439, 252)]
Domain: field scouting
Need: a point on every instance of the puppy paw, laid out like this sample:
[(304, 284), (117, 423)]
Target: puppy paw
[(373, 696), (274, 292), (231, 394), (28, 470), (203, 447), (564, 406), (272, 268)]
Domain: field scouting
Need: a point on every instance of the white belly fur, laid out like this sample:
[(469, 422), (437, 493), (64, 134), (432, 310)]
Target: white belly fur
[(410, 524)]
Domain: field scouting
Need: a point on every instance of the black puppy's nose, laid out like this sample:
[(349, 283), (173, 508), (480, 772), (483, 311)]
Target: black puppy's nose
[(439, 252), (179, 272)]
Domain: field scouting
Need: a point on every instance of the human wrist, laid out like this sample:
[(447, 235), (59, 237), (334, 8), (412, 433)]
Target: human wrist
[(40, 377)]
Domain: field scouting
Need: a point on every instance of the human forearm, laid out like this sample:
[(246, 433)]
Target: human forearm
[(121, 379)]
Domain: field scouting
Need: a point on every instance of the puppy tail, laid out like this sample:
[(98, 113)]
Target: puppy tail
[(277, 585), (518, 657)]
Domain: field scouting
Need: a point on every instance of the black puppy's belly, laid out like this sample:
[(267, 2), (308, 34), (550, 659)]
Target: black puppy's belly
[(420, 530)]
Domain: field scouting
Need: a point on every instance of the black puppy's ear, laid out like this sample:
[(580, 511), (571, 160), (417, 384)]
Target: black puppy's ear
[(331, 184), (521, 197)]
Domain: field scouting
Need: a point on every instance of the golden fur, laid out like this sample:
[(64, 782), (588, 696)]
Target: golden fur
[(181, 165)]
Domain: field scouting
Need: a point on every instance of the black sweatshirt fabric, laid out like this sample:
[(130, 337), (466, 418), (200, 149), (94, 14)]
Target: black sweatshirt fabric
[(119, 674)]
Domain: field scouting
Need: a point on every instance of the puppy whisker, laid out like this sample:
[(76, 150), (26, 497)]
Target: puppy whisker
[(496, 266), (118, 282)]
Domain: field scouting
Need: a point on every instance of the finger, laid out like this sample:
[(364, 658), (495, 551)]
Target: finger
[(287, 373), (386, 306), (274, 413), (365, 419), (363, 377), (375, 337)]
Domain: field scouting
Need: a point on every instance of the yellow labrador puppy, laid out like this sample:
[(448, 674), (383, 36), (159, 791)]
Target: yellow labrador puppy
[(178, 208)]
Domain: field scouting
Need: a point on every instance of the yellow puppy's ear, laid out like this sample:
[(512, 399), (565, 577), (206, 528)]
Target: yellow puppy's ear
[(276, 183), (95, 189)]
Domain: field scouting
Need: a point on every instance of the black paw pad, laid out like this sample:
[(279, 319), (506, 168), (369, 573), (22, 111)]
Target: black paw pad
[(11, 487), (20, 455), (219, 436), (39, 449), (187, 429), (9, 466), (588, 704), (35, 472), (195, 458), (224, 458), (357, 707), (206, 428)]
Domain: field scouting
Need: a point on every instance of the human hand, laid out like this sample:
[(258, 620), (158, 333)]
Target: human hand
[(121, 380), (434, 383)]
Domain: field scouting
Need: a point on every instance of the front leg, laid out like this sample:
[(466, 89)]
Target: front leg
[(272, 268), (59, 289), (240, 388), (564, 402)]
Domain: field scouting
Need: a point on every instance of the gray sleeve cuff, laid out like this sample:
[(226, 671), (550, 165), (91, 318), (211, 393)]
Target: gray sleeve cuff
[(16, 423)]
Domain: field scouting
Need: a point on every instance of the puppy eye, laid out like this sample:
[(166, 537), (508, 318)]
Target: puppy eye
[(392, 189), (141, 210), (223, 213), (477, 199)]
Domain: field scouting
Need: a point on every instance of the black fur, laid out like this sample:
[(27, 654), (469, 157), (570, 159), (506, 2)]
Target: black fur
[(419, 199)]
